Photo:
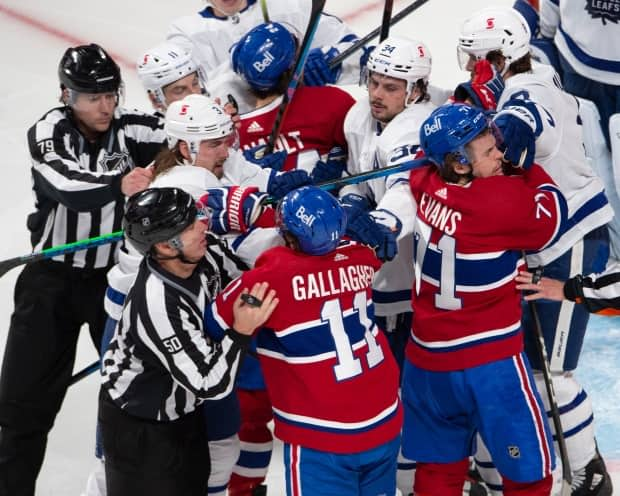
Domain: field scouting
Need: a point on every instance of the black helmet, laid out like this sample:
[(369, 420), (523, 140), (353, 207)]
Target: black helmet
[(157, 214), (89, 69)]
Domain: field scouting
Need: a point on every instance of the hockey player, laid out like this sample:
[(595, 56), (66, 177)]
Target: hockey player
[(87, 155), (160, 366), (466, 343), (264, 58), (384, 124), (599, 293), (169, 73), (330, 376), (540, 123), (211, 33), (586, 38)]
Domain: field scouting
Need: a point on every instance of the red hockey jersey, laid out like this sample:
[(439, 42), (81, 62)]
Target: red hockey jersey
[(312, 127), (331, 377), (468, 242)]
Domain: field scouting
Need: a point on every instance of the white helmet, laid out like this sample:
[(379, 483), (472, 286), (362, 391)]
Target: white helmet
[(194, 119), (164, 64), (494, 28), (401, 58)]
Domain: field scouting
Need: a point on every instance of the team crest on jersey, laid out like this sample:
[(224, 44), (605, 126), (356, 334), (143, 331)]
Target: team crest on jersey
[(604, 10), (115, 161), (514, 452)]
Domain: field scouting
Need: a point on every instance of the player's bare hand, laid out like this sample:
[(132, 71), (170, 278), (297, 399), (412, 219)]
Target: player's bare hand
[(252, 308), (137, 180), (547, 288)]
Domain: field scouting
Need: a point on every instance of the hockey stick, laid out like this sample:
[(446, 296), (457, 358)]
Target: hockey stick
[(385, 22), (85, 372), (541, 350), (374, 33), (315, 16), (6, 265)]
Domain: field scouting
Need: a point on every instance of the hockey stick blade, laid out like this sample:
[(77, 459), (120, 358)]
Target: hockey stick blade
[(85, 244), (374, 33), (315, 16)]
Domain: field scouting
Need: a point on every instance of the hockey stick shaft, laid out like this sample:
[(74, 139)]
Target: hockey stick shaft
[(6, 265), (85, 372), (315, 16), (543, 357), (385, 22), (374, 33)]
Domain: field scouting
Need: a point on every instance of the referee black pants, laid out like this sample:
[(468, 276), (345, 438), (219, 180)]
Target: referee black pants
[(145, 457), (52, 301)]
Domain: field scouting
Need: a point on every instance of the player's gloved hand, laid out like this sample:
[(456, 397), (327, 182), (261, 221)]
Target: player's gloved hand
[(282, 182), (354, 205), (484, 89), (233, 208), (518, 139), (257, 155), (378, 229), (317, 71), (332, 168)]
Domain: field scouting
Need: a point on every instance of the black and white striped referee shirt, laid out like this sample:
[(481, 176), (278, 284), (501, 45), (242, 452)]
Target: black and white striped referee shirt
[(159, 364), (77, 184)]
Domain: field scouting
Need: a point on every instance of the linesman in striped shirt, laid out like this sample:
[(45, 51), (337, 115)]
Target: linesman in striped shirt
[(160, 365), (87, 155)]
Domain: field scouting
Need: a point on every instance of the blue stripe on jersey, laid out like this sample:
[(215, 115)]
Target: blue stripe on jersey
[(473, 272), (468, 341), (312, 339), (391, 296), (587, 59), (592, 205), (114, 296), (337, 427)]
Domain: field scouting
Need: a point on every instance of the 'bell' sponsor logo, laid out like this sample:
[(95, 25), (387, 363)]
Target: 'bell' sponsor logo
[(304, 217), (261, 65), (432, 128)]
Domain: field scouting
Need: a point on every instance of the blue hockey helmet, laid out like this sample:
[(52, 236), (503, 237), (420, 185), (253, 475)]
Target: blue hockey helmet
[(448, 129), (263, 54), (314, 217)]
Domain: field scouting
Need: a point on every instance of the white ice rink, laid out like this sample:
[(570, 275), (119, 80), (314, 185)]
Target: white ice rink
[(34, 35)]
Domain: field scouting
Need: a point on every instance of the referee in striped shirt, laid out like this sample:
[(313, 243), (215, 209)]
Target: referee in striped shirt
[(160, 365), (87, 155)]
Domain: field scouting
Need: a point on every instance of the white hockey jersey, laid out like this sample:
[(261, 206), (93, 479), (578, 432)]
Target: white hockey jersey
[(194, 180), (370, 147), (587, 36), (560, 150), (210, 38)]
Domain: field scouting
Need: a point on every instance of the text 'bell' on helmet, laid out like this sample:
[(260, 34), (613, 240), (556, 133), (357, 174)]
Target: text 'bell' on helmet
[(163, 65), (156, 215), (448, 129), (493, 28), (263, 54), (89, 69), (401, 58), (314, 217), (196, 118)]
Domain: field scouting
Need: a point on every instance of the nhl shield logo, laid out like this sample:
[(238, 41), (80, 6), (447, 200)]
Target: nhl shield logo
[(514, 452), (115, 161), (605, 11)]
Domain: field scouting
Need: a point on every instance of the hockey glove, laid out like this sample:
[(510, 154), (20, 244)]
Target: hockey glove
[(332, 168), (257, 156), (518, 139), (484, 89), (378, 229), (281, 183), (317, 71), (233, 208), (354, 205)]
